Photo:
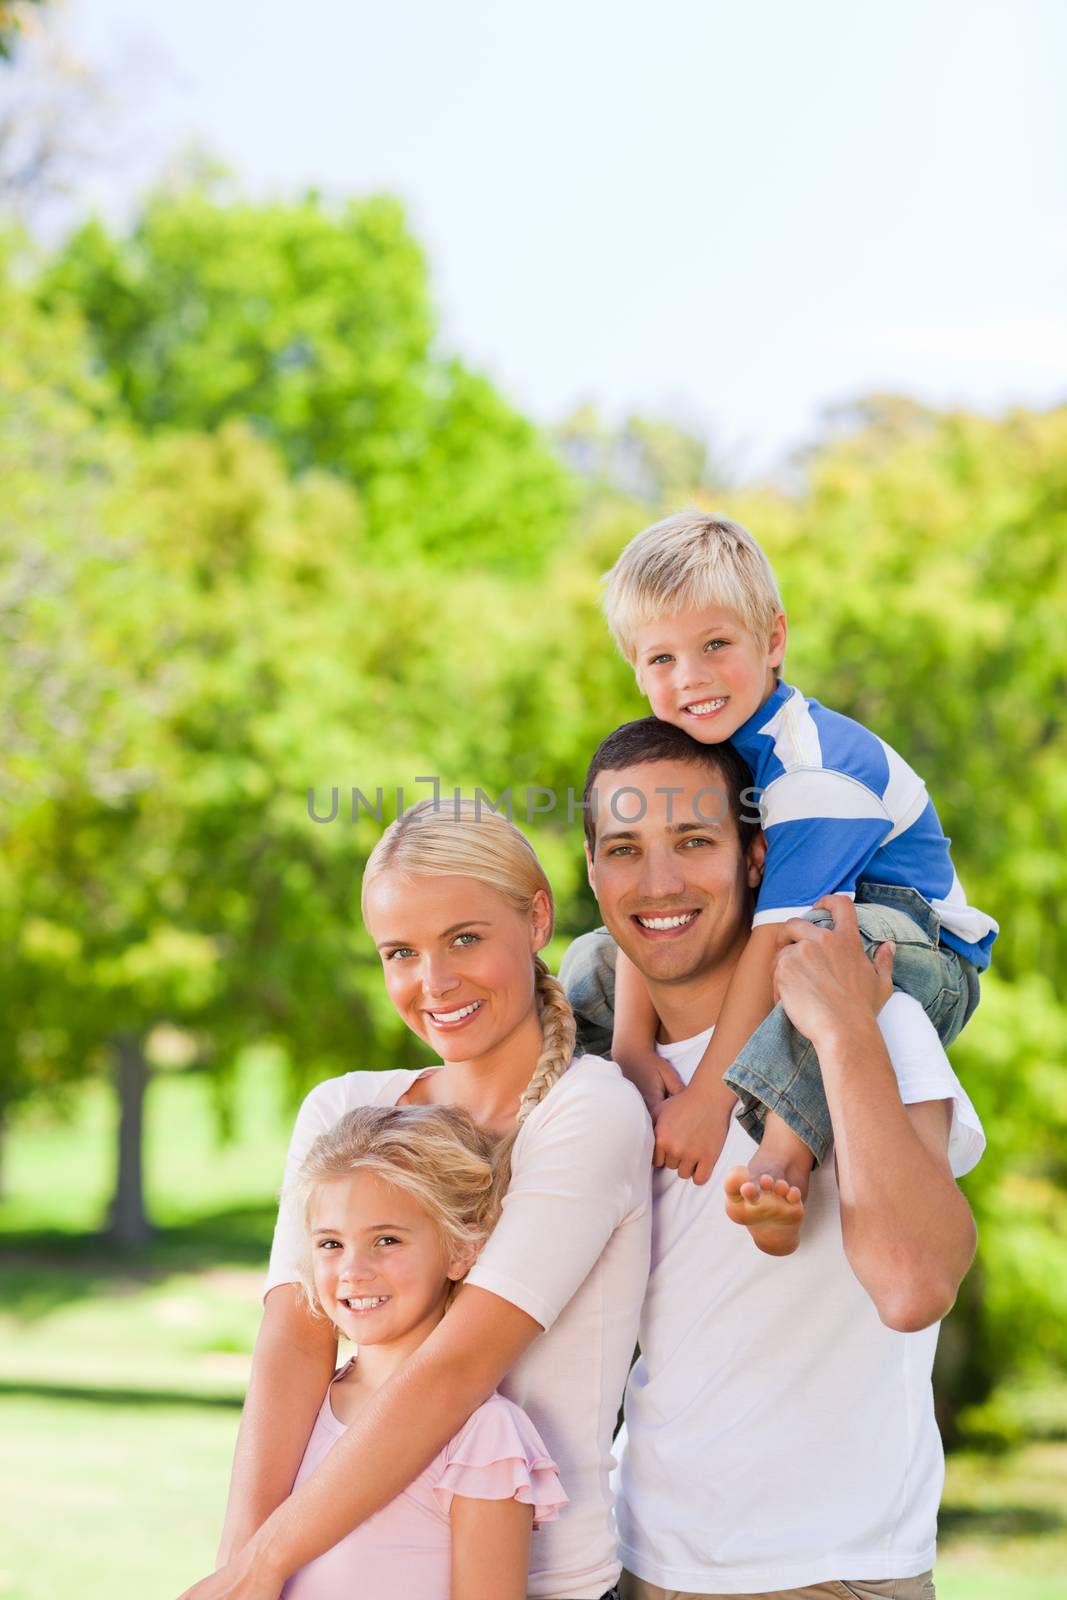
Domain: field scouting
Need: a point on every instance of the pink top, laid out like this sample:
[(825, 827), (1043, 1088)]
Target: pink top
[(405, 1548)]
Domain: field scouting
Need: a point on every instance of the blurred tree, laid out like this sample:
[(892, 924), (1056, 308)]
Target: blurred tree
[(14, 15), (316, 328), (650, 461)]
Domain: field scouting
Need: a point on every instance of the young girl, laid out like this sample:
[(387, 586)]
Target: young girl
[(397, 1201)]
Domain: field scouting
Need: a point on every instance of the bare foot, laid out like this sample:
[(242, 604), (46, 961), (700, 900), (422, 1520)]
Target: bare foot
[(771, 1208)]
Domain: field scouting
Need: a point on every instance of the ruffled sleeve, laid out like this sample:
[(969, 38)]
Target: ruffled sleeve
[(498, 1454)]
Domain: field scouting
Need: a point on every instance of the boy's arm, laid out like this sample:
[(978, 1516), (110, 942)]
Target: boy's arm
[(490, 1548), (633, 1043), (691, 1128), (292, 1364), (907, 1229)]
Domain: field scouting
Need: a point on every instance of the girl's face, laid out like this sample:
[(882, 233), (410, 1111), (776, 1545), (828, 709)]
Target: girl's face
[(381, 1268), (458, 959)]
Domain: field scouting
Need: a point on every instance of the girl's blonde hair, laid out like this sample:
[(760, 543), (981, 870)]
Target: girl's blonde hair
[(689, 562), (462, 839), (436, 1154)]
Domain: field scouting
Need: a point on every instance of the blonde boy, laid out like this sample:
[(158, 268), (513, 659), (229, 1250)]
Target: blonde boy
[(694, 607)]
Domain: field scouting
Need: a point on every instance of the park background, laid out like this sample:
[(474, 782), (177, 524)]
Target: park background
[(315, 438)]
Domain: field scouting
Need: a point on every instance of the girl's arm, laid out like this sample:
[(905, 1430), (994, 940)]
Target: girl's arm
[(490, 1548), (411, 1418), (293, 1361), (633, 1042), (691, 1127)]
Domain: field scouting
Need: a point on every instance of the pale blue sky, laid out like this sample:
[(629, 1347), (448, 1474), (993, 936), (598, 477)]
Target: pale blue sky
[(737, 213)]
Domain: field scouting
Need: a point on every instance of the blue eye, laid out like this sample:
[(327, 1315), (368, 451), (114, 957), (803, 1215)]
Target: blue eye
[(715, 644), (657, 659), (401, 950), (473, 937)]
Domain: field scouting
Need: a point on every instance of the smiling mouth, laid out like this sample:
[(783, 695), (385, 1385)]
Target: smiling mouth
[(369, 1302), (706, 708), (668, 924), (445, 1019)]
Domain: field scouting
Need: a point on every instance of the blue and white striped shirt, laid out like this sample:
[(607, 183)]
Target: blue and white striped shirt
[(841, 808)]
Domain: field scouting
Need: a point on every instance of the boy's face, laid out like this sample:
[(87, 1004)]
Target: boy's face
[(705, 671)]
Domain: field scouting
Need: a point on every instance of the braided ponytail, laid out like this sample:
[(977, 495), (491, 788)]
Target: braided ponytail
[(558, 1028)]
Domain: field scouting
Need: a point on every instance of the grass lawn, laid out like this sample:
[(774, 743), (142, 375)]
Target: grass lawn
[(121, 1377)]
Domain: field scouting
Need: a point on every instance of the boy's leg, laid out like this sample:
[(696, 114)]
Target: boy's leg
[(587, 973), (778, 1069)]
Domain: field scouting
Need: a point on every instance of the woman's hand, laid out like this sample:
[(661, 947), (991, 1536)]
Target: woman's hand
[(240, 1579)]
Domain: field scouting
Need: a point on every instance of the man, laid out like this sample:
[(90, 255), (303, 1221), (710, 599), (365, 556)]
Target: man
[(779, 1436)]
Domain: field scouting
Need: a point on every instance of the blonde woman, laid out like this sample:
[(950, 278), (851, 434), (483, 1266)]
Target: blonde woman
[(459, 907)]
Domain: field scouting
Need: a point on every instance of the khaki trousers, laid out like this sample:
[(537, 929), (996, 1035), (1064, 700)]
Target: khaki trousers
[(920, 1588)]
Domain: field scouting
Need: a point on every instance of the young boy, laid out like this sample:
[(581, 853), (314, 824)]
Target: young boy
[(694, 606)]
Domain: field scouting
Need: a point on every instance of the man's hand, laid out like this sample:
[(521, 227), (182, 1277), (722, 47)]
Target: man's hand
[(690, 1131), (821, 975)]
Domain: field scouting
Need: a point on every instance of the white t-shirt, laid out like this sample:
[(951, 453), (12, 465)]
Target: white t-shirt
[(777, 1433), (572, 1250)]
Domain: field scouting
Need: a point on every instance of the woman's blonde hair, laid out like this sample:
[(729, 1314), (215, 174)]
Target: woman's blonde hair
[(689, 562), (436, 1154), (461, 839)]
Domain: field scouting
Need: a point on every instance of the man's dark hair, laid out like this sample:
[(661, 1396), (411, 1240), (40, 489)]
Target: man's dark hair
[(648, 739)]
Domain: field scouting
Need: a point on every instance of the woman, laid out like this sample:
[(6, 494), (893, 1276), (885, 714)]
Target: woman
[(458, 907)]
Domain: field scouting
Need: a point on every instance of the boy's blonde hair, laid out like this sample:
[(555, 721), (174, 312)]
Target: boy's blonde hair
[(689, 562), (436, 1154), (460, 839)]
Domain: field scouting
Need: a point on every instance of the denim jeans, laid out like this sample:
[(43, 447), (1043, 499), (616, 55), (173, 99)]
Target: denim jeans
[(778, 1069)]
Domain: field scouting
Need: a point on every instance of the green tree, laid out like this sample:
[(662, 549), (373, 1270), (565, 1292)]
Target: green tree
[(316, 328)]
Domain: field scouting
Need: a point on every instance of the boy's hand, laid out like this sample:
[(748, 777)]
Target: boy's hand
[(655, 1078), (690, 1132)]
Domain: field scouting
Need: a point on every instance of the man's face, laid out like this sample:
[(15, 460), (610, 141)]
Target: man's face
[(673, 888)]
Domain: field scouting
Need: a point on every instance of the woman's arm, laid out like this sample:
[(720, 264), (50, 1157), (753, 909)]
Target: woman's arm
[(293, 1361), (490, 1548), (411, 1418)]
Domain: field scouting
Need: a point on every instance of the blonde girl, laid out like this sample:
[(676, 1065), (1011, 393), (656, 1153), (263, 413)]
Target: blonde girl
[(397, 1202), (459, 909)]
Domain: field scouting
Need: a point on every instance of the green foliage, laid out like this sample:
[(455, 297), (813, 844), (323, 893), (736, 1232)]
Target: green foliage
[(316, 329), (13, 16), (259, 537)]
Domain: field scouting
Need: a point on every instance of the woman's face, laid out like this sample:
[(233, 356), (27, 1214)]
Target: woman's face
[(457, 957)]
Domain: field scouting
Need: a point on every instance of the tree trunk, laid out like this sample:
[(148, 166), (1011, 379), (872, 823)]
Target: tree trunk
[(128, 1223)]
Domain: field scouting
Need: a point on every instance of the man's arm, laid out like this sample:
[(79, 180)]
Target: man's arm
[(411, 1418), (907, 1230), (292, 1364)]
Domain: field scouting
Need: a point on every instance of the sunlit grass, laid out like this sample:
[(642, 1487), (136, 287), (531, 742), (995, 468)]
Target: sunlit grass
[(121, 1377)]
